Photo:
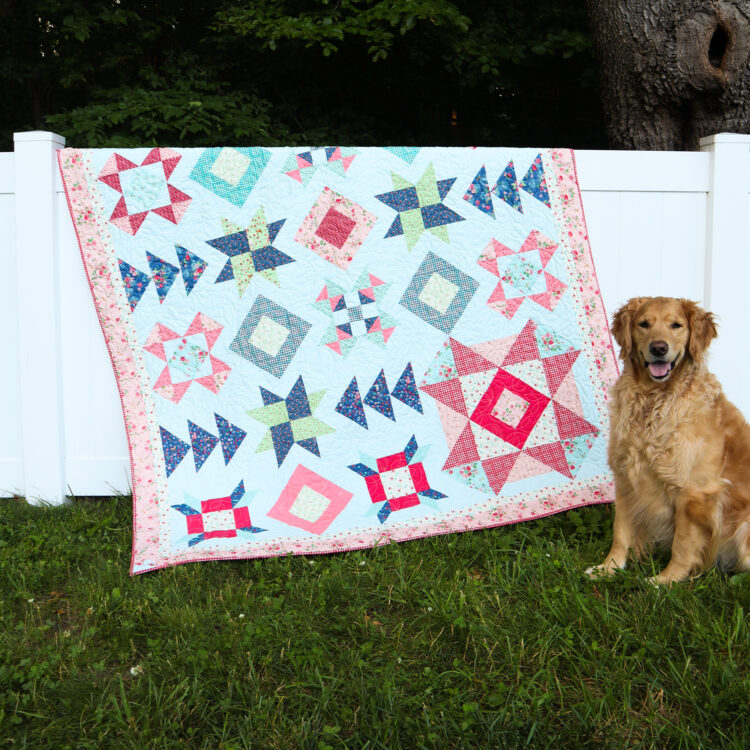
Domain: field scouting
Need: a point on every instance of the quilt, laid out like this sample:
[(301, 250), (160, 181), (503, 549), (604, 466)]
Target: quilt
[(324, 349)]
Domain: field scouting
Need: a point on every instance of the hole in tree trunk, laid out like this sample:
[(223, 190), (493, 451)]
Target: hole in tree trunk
[(717, 47)]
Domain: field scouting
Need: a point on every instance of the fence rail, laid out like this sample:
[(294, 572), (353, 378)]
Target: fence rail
[(666, 223)]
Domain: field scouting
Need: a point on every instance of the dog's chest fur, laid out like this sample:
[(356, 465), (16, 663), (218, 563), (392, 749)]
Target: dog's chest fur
[(653, 435)]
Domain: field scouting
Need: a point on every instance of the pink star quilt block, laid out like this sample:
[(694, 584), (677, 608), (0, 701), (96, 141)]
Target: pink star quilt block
[(511, 408)]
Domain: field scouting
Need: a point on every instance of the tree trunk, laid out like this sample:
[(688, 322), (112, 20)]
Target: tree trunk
[(672, 71)]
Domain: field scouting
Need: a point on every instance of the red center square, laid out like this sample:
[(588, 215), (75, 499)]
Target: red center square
[(483, 416), (335, 228)]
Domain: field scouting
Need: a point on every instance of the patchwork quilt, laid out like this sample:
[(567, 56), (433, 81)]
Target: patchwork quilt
[(323, 349)]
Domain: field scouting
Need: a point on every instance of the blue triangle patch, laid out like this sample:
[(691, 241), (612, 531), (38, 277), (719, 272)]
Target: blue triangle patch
[(227, 273), (534, 182), (379, 398), (230, 436), (310, 444), (163, 274), (135, 282), (478, 193), (506, 188), (192, 267), (268, 397), (396, 228), (444, 186), (406, 390), (274, 228), (174, 450), (203, 444), (350, 405)]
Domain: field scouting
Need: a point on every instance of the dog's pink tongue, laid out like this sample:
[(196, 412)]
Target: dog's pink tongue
[(658, 369)]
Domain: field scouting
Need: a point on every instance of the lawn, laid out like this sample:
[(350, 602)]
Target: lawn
[(478, 640)]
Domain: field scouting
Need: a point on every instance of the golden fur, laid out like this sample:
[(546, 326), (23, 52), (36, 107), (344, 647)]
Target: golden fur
[(679, 450)]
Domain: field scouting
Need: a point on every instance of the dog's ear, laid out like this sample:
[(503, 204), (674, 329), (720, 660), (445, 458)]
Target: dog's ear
[(622, 323), (702, 328)]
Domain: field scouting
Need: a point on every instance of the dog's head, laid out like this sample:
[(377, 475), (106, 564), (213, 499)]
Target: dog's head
[(659, 333)]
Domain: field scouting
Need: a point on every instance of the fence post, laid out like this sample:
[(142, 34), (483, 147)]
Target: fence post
[(42, 431), (726, 289)]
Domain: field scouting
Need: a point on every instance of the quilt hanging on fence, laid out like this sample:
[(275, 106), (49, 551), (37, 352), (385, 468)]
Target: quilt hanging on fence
[(322, 349)]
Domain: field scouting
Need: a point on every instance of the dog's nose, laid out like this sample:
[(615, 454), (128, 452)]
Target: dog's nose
[(658, 348)]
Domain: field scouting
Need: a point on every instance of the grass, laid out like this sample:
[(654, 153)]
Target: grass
[(485, 639)]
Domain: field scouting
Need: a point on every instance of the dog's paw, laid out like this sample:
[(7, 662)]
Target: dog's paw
[(605, 570)]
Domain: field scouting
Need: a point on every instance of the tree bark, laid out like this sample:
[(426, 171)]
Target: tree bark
[(672, 71)]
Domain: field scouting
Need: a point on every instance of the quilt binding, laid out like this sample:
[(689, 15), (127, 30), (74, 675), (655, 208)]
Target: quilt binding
[(139, 409)]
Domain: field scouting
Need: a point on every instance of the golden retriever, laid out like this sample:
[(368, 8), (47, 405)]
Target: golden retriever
[(679, 450)]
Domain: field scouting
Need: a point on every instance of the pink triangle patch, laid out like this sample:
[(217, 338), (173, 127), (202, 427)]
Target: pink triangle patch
[(489, 264), (449, 393), (166, 212), (218, 366), (464, 451), (567, 395), (544, 299), (557, 367), (453, 423), (525, 347), (166, 334), (157, 349), (335, 345), (498, 469), (347, 161), (387, 333), (526, 467), (164, 379), (497, 250), (498, 294), (468, 361), (495, 351), (554, 284), (570, 425), (375, 281), (113, 180), (208, 381), (122, 163), (552, 455), (295, 174)]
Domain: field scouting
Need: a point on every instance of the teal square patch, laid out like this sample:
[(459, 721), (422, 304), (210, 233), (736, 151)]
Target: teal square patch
[(231, 173)]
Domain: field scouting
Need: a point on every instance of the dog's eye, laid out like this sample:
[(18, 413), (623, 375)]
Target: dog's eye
[(643, 324), (676, 325)]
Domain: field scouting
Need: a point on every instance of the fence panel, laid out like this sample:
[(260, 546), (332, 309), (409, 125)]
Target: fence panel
[(660, 223)]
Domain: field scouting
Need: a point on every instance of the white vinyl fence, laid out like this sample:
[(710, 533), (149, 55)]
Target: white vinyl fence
[(660, 223)]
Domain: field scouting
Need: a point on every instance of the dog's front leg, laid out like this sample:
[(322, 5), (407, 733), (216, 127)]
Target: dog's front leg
[(623, 539), (695, 535)]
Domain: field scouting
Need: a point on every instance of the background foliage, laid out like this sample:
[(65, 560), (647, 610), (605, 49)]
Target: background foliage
[(367, 72)]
